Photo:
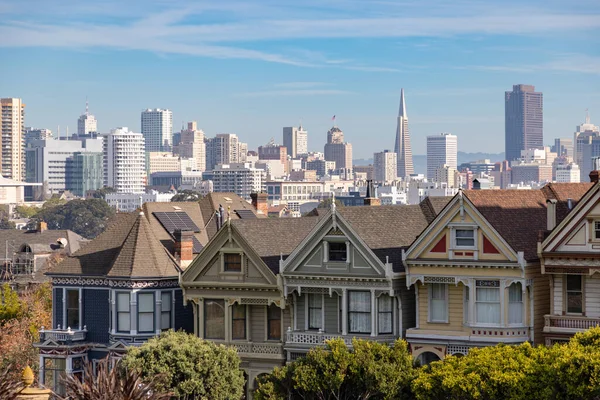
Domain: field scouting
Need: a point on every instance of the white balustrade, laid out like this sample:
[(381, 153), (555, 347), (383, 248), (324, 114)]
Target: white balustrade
[(259, 348), (571, 322), (64, 335)]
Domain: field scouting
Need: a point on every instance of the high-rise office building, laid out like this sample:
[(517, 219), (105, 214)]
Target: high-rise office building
[(403, 147), (87, 124), (339, 151), (385, 166), (84, 172), (13, 138), (157, 129), (563, 147), (124, 161), (192, 145), (32, 134), (442, 150), (584, 134), (239, 178), (523, 121), (224, 148), (295, 140)]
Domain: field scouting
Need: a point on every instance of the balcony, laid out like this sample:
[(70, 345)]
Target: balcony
[(63, 335), (318, 338), (568, 323), (262, 350)]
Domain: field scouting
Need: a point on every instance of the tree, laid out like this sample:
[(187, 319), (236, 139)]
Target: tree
[(110, 383), (87, 217), (9, 386), (370, 370), (101, 193), (188, 366), (186, 195), (27, 211), (53, 201)]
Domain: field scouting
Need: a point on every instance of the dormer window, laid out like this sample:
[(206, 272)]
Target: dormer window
[(337, 251), (232, 262), (465, 237)]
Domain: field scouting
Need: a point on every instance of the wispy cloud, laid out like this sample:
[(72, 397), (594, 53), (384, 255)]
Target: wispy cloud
[(297, 92), (300, 85), (580, 63)]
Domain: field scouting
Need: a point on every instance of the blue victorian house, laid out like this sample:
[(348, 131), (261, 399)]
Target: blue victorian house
[(119, 290)]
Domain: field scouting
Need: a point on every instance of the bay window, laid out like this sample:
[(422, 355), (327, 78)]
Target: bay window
[(123, 312), (214, 319), (515, 304), (315, 311), (274, 322), (487, 302), (574, 293), (165, 310), (145, 312), (359, 312), (385, 313), (438, 304), (238, 322)]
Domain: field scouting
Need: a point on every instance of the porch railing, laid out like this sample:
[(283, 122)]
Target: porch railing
[(569, 322), (63, 335)]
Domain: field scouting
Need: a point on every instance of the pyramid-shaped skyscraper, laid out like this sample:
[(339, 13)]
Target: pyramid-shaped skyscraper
[(403, 148)]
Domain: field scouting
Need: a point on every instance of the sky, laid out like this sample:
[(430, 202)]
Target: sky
[(251, 67)]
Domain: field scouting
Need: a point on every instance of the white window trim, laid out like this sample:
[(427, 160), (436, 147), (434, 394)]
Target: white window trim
[(116, 309), (65, 306), (565, 297), (455, 246), (502, 300), (429, 295), (306, 311), (523, 314), (242, 261)]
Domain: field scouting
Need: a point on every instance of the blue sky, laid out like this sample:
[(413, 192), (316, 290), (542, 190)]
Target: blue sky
[(251, 67)]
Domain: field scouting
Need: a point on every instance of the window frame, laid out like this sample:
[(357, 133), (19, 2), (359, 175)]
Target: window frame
[(128, 312), (595, 230), (270, 320), (226, 263), (386, 313), (567, 291), (140, 313), (499, 302), (456, 238), (309, 311), (169, 312), (204, 305), (516, 284), (350, 312), (234, 319), (344, 255), (431, 299), (67, 309)]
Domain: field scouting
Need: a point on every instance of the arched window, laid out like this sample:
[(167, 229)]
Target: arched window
[(427, 357), (25, 249)]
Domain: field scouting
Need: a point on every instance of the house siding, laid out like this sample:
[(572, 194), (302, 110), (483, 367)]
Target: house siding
[(592, 296), (300, 317), (455, 309), (407, 299), (331, 313), (184, 314), (287, 318), (96, 314), (541, 301), (57, 307), (258, 321), (558, 294)]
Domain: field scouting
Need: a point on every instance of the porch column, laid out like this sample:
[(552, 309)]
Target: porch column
[(295, 316), (195, 311), (417, 305), (344, 311), (69, 366), (373, 313), (41, 374), (133, 308), (64, 309), (201, 318), (80, 299), (112, 301), (472, 295), (157, 311), (227, 321)]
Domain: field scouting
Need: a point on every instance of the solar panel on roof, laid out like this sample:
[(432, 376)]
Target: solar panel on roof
[(173, 221), (245, 214), (197, 245)]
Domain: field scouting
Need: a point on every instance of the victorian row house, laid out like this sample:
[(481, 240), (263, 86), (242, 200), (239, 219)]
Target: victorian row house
[(451, 273)]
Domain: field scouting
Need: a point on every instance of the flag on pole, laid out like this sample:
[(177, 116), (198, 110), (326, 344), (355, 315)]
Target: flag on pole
[(333, 118)]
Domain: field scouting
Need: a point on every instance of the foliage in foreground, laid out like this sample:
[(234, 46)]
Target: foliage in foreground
[(188, 366), (569, 371), (9, 386), (110, 384), (370, 371)]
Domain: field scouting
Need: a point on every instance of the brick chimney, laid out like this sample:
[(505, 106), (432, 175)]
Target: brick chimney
[(594, 176), (371, 199), (259, 201), (184, 247), (42, 227)]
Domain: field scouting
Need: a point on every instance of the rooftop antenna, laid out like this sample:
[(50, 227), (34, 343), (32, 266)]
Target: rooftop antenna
[(587, 116), (58, 132), (67, 132), (87, 107)]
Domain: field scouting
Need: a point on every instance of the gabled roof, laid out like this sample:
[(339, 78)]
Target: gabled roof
[(126, 249), (210, 204), (271, 238), (40, 242), (520, 215)]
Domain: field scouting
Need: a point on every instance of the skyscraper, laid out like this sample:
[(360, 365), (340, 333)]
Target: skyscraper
[(224, 148), (523, 121), (192, 145), (584, 134), (339, 151), (124, 161), (13, 138), (385, 166), (157, 128), (402, 147), (441, 150), (295, 140), (86, 123)]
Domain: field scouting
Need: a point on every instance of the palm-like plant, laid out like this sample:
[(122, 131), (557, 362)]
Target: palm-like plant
[(9, 387), (110, 384)]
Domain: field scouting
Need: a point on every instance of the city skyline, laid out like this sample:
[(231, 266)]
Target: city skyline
[(262, 66)]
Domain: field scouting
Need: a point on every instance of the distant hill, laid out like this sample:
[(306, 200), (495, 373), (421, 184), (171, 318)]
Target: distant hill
[(420, 160)]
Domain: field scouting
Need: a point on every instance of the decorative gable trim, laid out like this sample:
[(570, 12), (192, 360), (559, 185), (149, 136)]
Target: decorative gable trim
[(488, 246), (440, 247), (114, 283)]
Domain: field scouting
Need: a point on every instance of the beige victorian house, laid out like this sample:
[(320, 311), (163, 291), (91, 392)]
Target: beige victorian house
[(476, 273), (570, 258)]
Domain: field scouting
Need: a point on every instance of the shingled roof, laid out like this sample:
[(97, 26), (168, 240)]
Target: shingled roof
[(126, 249), (271, 238), (520, 215), (40, 242)]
